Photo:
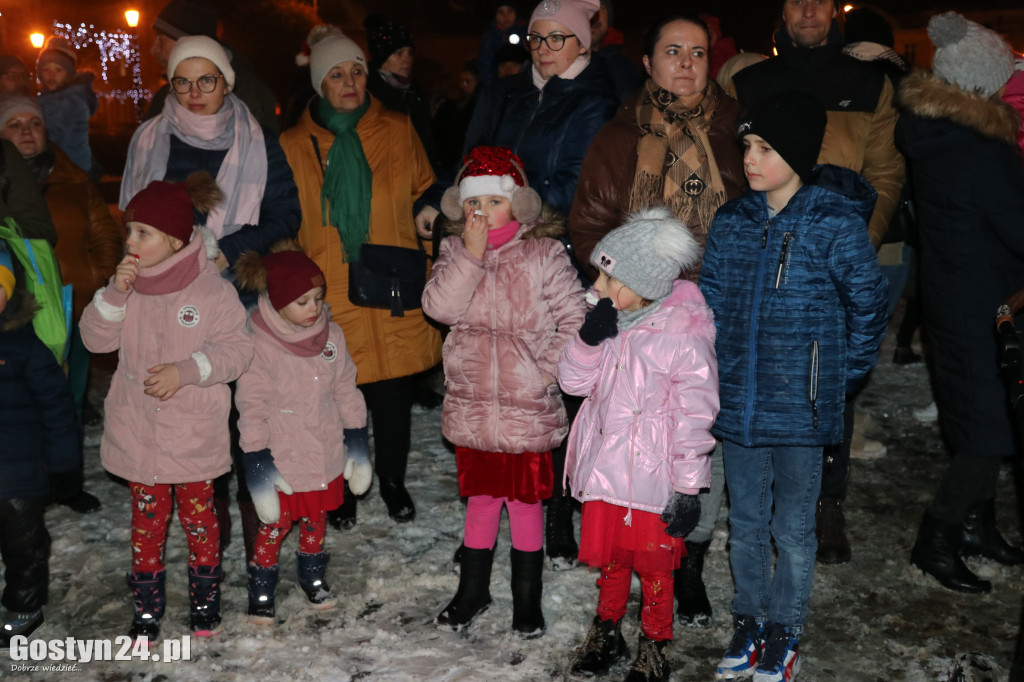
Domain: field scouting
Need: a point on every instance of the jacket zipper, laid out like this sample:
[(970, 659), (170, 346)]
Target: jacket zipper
[(748, 413), (782, 257), (814, 381), (533, 115)]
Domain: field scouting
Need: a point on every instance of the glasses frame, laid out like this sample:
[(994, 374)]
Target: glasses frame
[(532, 38), (180, 80)]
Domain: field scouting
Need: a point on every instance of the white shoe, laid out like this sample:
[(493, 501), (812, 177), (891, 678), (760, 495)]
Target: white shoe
[(927, 414), (866, 448)]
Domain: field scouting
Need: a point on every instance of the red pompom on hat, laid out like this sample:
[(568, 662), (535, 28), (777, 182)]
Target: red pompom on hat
[(493, 171), (167, 206), (290, 274)]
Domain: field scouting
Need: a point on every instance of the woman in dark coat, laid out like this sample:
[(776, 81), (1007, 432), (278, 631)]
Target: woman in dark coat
[(968, 187)]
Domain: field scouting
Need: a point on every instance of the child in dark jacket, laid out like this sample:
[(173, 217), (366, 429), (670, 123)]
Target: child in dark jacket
[(37, 429), (68, 101), (800, 310)]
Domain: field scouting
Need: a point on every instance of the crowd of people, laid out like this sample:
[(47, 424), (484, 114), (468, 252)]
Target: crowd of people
[(650, 288)]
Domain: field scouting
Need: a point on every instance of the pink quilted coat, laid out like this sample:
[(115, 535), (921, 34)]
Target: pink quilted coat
[(644, 430), (510, 315)]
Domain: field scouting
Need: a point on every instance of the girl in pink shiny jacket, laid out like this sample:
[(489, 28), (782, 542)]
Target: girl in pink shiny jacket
[(179, 330), (638, 451), (513, 300)]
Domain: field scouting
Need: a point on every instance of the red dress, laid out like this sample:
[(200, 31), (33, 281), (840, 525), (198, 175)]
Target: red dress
[(525, 476), (644, 545), (312, 503)]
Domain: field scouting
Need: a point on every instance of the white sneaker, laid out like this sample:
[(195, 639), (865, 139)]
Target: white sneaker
[(927, 414), (866, 448)]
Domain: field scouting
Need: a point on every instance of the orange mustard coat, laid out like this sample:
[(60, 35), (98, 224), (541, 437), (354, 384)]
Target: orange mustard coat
[(383, 347)]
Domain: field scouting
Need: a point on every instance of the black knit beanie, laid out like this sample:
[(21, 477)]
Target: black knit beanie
[(793, 123), (384, 37)]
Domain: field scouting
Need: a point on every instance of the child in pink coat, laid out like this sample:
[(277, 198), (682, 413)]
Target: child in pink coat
[(638, 451), (297, 405), (179, 330), (512, 298)]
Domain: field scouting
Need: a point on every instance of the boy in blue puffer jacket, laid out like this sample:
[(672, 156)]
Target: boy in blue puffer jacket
[(800, 311), (37, 429)]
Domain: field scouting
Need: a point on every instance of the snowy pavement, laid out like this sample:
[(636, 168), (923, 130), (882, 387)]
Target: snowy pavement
[(875, 618)]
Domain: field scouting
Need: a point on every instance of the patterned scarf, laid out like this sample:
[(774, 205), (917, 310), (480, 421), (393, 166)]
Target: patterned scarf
[(346, 192), (674, 165)]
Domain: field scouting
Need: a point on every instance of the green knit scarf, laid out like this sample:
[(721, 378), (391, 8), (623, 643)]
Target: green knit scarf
[(345, 195)]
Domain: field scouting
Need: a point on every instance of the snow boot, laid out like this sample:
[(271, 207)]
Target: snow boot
[(650, 665), (344, 517), (830, 527), (250, 528), (692, 605), (474, 594), (980, 536), (68, 492), (527, 586), (262, 590), (15, 624), (204, 599), (222, 509), (936, 552), (312, 580), (150, 599), (559, 536), (603, 648), (396, 498)]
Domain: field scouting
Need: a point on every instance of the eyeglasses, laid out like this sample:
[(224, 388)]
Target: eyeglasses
[(206, 84), (554, 41)]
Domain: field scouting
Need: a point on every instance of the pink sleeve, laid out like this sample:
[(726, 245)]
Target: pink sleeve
[(453, 281), (564, 295), (693, 407), (579, 367)]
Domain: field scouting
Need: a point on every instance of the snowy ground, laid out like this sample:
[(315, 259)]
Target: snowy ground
[(875, 618)]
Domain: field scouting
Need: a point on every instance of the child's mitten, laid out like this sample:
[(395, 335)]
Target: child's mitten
[(264, 480), (681, 514), (358, 470), (601, 322)]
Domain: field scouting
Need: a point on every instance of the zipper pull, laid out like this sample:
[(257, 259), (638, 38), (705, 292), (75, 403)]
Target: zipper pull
[(782, 258), (814, 411), (764, 237)]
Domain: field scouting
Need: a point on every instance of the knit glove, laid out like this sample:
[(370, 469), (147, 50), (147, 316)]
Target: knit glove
[(358, 470), (681, 514), (264, 480), (601, 322)]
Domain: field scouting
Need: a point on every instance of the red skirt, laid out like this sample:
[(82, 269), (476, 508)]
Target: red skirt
[(643, 546), (524, 477), (312, 502)]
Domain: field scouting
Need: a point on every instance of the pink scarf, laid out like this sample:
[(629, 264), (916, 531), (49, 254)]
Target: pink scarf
[(306, 342), (242, 175), (176, 272), (500, 236)]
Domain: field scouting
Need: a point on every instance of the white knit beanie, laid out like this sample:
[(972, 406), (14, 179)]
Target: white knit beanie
[(648, 253), (205, 47), (11, 105), (968, 55), (328, 47)]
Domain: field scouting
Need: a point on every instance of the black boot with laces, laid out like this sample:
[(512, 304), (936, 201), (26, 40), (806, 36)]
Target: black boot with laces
[(603, 648), (650, 665)]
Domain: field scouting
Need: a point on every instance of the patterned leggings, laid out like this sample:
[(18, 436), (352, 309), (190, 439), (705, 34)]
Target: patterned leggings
[(267, 548), (656, 611), (151, 512)]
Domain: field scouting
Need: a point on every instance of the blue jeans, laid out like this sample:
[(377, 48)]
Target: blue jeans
[(790, 478)]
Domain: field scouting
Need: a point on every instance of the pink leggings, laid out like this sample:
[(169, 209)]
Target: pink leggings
[(483, 516)]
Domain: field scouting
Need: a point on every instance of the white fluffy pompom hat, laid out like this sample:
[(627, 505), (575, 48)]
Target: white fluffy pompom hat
[(648, 253)]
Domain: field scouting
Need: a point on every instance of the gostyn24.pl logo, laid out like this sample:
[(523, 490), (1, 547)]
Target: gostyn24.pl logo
[(71, 651)]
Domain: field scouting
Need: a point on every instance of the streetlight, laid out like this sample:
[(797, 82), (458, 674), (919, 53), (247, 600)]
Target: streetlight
[(847, 8), (132, 17), (37, 40)]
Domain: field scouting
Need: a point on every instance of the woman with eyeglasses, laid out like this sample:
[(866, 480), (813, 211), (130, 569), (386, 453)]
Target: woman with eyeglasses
[(205, 127)]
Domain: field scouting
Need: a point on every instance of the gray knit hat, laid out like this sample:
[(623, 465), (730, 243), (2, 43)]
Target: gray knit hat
[(648, 253), (13, 104), (968, 55)]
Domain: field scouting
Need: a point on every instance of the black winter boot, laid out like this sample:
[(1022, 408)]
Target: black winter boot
[(559, 535), (396, 498), (936, 552), (262, 590), (344, 517), (14, 624), (312, 580), (527, 586), (150, 599), (204, 599), (980, 536), (650, 665), (830, 527), (692, 604), (603, 648), (474, 593)]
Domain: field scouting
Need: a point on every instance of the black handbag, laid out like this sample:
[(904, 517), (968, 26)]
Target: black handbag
[(388, 277)]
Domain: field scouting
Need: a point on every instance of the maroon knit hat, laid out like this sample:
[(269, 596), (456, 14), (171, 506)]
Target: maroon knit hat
[(290, 274), (167, 206)]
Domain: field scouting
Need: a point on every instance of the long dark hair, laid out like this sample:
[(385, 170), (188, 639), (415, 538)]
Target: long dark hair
[(654, 32)]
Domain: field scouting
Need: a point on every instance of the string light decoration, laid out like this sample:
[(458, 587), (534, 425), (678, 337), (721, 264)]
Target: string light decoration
[(113, 46)]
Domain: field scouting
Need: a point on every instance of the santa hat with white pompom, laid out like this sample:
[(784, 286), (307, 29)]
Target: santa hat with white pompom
[(492, 171)]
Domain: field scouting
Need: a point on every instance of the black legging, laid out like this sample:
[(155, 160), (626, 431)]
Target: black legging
[(967, 480), (389, 403)]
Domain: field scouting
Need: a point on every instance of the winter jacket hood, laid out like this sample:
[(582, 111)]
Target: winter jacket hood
[(652, 396)]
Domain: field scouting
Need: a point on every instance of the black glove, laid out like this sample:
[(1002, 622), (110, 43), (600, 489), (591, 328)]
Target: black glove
[(681, 514), (601, 322)]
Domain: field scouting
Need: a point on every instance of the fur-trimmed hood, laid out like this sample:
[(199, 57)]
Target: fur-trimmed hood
[(551, 223), (924, 95)]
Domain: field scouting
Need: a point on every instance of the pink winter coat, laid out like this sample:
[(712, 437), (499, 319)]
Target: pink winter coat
[(510, 315), (644, 430), (200, 326), (299, 405)]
